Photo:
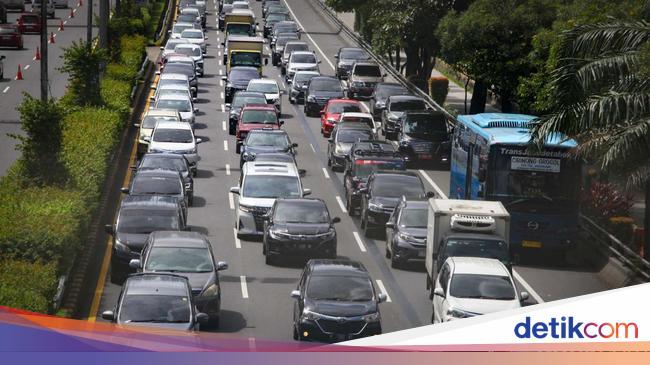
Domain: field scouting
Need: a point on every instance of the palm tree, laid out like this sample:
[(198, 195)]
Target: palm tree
[(601, 91)]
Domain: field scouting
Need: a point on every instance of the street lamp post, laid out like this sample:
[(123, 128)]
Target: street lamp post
[(44, 77)]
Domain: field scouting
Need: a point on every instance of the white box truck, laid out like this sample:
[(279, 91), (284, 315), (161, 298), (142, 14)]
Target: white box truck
[(472, 228)]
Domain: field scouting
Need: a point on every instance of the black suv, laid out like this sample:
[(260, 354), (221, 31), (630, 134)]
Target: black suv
[(170, 161), (365, 158), (345, 59), (383, 90), (424, 136), (237, 80), (396, 106), (159, 182), (343, 136), (299, 227), (261, 141), (382, 194), (319, 90), (406, 233), (240, 100), (335, 301)]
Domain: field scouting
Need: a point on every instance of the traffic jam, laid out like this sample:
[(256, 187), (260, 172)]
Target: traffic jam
[(271, 78)]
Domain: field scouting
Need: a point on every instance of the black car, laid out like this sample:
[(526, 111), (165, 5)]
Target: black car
[(272, 18), (343, 136), (365, 158), (396, 106), (406, 233), (384, 191), (183, 69), (159, 182), (345, 59), (261, 141), (170, 161), (156, 300), (423, 136), (319, 90), (136, 218), (237, 80), (335, 301), (188, 254), (383, 90), (278, 46), (240, 100), (299, 86)]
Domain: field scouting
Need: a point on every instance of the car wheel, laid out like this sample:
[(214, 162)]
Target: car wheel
[(349, 207), (116, 278), (363, 220), (296, 335), (388, 254), (190, 199), (367, 232), (213, 323), (283, 71), (394, 263), (238, 148), (329, 161), (433, 317), (231, 131), (264, 249), (195, 172)]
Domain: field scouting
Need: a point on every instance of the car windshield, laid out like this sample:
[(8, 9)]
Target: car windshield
[(155, 309), (398, 186), (414, 218), (259, 117), (179, 68), (263, 87), (303, 77), (363, 120), (179, 259), (383, 92), (303, 58), (312, 212), (353, 54), (474, 247), (168, 135), (164, 92), (186, 18), (353, 135), (364, 168), (425, 126), (151, 162), (192, 34), (339, 288), (182, 105), (267, 139), (284, 39), (7, 30), (401, 106), (145, 221), (338, 108), (292, 47), (179, 28), (240, 101), (188, 51), (481, 287), (326, 85), (164, 82), (238, 28), (243, 75), (275, 17), (245, 59), (156, 185), (171, 44), (265, 186), (150, 121), (367, 70)]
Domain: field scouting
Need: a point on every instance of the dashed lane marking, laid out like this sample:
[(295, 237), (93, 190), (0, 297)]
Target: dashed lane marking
[(237, 241), (244, 287), (223, 125), (5, 90), (382, 288), (227, 169), (327, 175), (231, 201), (225, 145), (338, 199), (359, 242)]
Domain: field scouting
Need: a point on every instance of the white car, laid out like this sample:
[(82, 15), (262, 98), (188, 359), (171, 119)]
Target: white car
[(179, 28), (172, 89), (195, 36), (182, 103), (289, 48), (179, 58), (270, 89), (175, 137), (170, 46), (364, 118), (241, 5), (471, 286), (194, 51), (173, 79), (148, 123)]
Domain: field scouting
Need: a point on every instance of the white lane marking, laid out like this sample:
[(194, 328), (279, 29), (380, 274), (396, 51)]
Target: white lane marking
[(27, 67), (220, 72), (219, 53), (309, 36), (338, 199), (221, 94), (223, 125), (65, 22), (225, 145), (223, 108), (237, 241), (34, 59), (244, 288), (251, 344), (357, 238), (312, 147), (5, 90), (231, 201), (227, 169), (327, 176), (220, 62), (221, 83), (527, 286), (382, 288), (435, 187)]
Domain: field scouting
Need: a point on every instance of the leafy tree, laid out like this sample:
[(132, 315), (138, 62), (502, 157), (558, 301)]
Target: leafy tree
[(83, 64)]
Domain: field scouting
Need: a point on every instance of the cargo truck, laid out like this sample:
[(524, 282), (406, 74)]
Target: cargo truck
[(244, 51), (240, 22), (467, 228)]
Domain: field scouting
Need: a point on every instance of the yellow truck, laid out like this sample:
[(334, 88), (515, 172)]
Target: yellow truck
[(244, 51), (240, 22)]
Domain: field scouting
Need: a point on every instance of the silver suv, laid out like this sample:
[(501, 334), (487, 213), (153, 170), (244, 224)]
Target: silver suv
[(363, 78), (301, 61)]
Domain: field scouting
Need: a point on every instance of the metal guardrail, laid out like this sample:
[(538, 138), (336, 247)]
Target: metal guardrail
[(164, 24)]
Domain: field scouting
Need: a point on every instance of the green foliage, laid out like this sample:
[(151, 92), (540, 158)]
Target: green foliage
[(117, 97), (28, 286), (132, 51), (83, 64), (120, 72)]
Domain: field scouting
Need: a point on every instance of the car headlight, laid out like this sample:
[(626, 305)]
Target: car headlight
[(357, 83), (380, 104), (375, 206), (248, 156), (211, 291), (329, 234), (244, 208), (121, 247), (278, 233), (309, 315), (457, 313), (311, 98), (404, 237), (331, 120), (372, 317)]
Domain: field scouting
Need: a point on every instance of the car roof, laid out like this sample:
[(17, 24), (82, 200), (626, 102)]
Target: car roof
[(161, 112), (179, 239), (158, 202), (185, 24), (298, 42), (244, 93), (356, 114), (302, 53), (477, 265), (270, 168), (156, 284), (173, 97), (274, 157), (179, 57), (173, 76), (188, 45), (174, 125), (346, 125), (337, 267), (244, 68), (265, 107), (286, 23), (393, 173), (263, 81), (156, 173)]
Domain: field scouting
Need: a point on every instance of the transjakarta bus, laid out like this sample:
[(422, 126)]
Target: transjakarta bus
[(539, 189)]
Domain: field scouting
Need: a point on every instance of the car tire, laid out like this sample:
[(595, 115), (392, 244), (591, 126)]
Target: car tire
[(394, 263), (190, 199), (116, 278), (231, 131), (283, 71), (363, 220), (263, 248), (349, 207), (296, 335), (213, 323), (367, 232), (238, 148), (388, 254), (195, 172), (329, 162)]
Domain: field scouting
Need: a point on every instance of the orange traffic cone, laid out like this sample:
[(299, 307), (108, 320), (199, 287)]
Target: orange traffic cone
[(19, 74), (52, 37), (61, 27), (71, 13), (38, 54)]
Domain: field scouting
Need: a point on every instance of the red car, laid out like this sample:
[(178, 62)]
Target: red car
[(29, 23), (332, 111), (10, 36), (255, 116)]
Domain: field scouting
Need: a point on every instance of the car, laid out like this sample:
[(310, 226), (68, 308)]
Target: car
[(406, 233), (180, 90), (335, 300), (361, 118), (396, 106), (160, 300), (196, 10), (194, 51), (226, 9), (301, 61), (173, 162), (149, 120), (271, 19), (188, 254), (255, 116), (195, 36), (174, 79), (180, 102), (238, 79), (277, 46), (287, 26), (178, 28), (366, 157), (261, 184), (299, 228), (291, 46), (184, 69), (383, 192), (382, 91), (341, 141), (176, 137), (362, 79), (331, 113), (29, 23), (319, 90), (36, 7), (423, 136), (10, 36), (346, 57), (241, 99), (159, 182), (299, 85), (470, 286), (170, 46), (14, 5), (261, 141), (190, 18), (138, 216), (271, 91)]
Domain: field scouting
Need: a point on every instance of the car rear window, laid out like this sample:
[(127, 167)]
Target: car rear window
[(367, 70)]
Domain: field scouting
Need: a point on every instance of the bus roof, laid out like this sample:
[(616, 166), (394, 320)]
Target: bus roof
[(505, 128)]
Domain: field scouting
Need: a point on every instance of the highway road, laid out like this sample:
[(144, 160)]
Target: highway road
[(256, 301)]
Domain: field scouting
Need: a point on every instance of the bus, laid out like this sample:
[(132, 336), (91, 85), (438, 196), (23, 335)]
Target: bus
[(491, 160)]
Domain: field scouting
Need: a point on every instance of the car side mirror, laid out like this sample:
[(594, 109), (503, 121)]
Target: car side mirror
[(202, 318), (431, 194), (524, 296), (206, 38), (295, 294), (234, 190), (224, 78), (302, 172), (109, 229), (222, 265), (135, 264), (390, 225), (294, 145), (439, 292), (336, 220), (336, 56), (281, 122), (199, 140), (124, 190), (382, 297), (147, 139), (108, 315), (306, 192)]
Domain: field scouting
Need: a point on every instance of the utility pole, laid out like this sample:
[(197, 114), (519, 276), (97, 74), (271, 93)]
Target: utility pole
[(89, 20), (44, 79), (103, 23)]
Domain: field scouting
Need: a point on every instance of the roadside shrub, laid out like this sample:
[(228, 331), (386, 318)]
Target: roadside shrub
[(28, 286), (603, 201), (132, 50), (117, 97), (438, 89), (120, 71)]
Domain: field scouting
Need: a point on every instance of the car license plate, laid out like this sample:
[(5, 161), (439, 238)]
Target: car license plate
[(424, 157), (531, 244)]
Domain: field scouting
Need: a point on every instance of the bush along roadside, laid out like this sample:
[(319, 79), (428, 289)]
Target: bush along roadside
[(47, 200)]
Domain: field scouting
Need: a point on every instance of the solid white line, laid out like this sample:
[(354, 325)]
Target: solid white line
[(225, 145), (222, 96), (382, 288), (5, 90), (435, 187), (527, 286), (237, 241), (357, 238), (231, 201), (327, 176), (223, 125), (27, 67), (308, 36), (312, 147), (251, 344), (227, 169), (338, 199), (244, 288)]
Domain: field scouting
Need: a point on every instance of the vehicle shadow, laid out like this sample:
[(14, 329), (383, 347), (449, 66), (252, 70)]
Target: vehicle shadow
[(204, 138), (229, 322), (200, 125), (204, 231), (204, 174), (199, 202)]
